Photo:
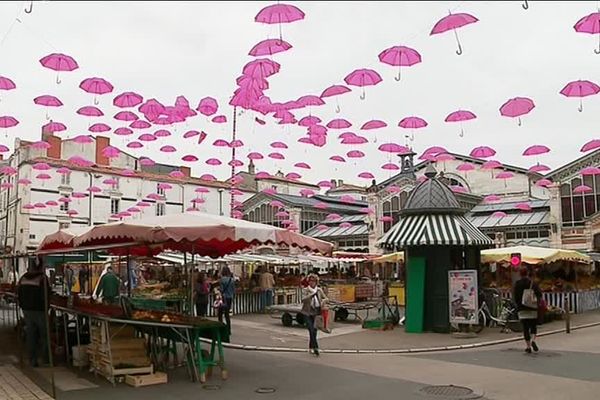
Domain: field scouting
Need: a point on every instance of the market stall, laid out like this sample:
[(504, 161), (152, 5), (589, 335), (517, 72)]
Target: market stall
[(566, 277)]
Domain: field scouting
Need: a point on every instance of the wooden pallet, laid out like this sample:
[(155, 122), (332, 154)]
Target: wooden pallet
[(146, 380)]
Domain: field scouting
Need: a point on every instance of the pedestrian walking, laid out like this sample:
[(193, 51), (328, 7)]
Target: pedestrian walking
[(84, 277), (109, 287), (527, 296), (69, 279), (227, 288), (33, 294), (201, 290), (266, 281), (313, 299)]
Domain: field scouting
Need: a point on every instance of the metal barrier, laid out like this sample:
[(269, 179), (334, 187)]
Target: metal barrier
[(251, 302), (579, 302), (9, 312)]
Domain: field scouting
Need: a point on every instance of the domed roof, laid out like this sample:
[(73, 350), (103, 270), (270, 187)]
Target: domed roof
[(432, 196)]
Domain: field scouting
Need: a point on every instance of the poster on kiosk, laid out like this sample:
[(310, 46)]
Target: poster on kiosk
[(463, 299)]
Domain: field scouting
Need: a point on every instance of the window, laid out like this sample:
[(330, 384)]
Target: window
[(309, 219), (392, 207), (160, 209), (32, 236), (63, 225), (114, 206), (65, 179), (64, 206), (160, 190)]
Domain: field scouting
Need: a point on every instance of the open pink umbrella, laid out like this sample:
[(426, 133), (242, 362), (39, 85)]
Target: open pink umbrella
[(90, 111), (83, 139), (162, 133), (220, 143), (390, 167), (335, 90), (491, 164), (176, 174), (392, 148), (255, 156), (339, 123), (373, 124), (465, 167), (190, 134), (51, 203), (147, 137), (337, 158), (482, 152), (309, 120), (310, 100), (4, 149), (460, 116), (580, 89), (213, 161), (412, 123), (363, 77), (127, 99), (443, 157), (543, 183), (269, 47), (52, 127), (208, 177), (189, 158), (355, 154), (48, 101), (453, 22), (80, 161), (302, 165), (279, 14), (111, 152), (41, 166), (6, 83), (492, 198), (355, 140), (59, 62), (99, 127), (516, 107), (126, 116), (276, 156), (8, 122), (588, 171), (261, 68), (140, 124), (400, 56), (504, 175), (591, 145), (435, 150), (40, 145), (96, 86), (536, 150), (8, 170), (538, 168), (135, 145), (123, 131), (219, 119), (208, 106), (582, 189), (590, 24), (168, 149)]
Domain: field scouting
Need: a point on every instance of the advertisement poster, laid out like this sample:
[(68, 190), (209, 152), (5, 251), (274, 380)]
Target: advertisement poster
[(463, 296)]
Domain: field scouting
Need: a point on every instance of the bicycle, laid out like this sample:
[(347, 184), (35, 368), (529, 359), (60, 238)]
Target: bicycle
[(507, 313)]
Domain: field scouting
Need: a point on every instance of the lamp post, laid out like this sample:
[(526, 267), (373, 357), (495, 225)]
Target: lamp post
[(221, 202)]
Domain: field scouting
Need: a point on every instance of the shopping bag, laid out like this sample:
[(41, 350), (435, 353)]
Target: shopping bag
[(529, 298), (322, 321)]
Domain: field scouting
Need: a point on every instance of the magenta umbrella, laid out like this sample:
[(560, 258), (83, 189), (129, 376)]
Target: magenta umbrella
[(96, 86), (516, 107), (337, 158), (147, 137), (52, 127), (400, 56), (591, 145), (6, 83), (123, 131), (140, 124), (279, 145), (590, 24), (452, 22), (48, 101), (482, 152), (59, 62), (279, 14), (151, 109), (127, 99), (310, 100), (590, 171), (363, 77), (261, 68), (393, 148), (309, 120), (539, 168), (90, 111), (355, 154), (126, 116), (269, 47), (460, 116), (335, 90), (99, 127), (373, 124), (412, 123), (355, 140), (536, 150), (7, 121), (339, 123), (580, 89)]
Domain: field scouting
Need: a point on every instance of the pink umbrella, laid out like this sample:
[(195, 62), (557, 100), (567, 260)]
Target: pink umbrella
[(361, 78), (263, 175), (516, 107), (335, 90), (269, 47), (543, 183), (491, 165), (537, 168), (164, 186), (201, 190), (176, 174), (4, 149), (6, 83), (208, 177), (65, 200), (100, 127), (317, 130), (435, 150), (8, 170), (412, 123), (80, 161), (126, 116), (492, 198), (373, 124), (452, 22), (47, 101), (151, 109), (90, 111), (293, 176), (143, 204), (8, 121), (111, 152), (460, 116), (189, 158), (443, 157), (51, 203), (127, 99), (355, 154), (590, 24), (41, 166), (339, 123), (260, 68), (59, 62), (123, 131), (96, 86), (43, 177), (580, 89), (83, 139), (400, 56), (536, 150), (220, 143), (505, 175), (52, 127), (235, 144), (147, 137), (94, 189), (309, 121), (499, 214), (41, 145), (310, 100), (219, 119), (190, 134), (482, 152), (393, 148), (591, 145), (168, 149), (140, 124), (162, 133), (325, 184), (337, 158), (276, 156), (78, 195), (279, 14), (255, 156), (39, 205), (302, 165), (307, 192), (135, 145), (523, 206), (355, 140), (590, 171), (63, 171), (28, 207), (213, 161), (6, 185), (128, 172), (465, 167)]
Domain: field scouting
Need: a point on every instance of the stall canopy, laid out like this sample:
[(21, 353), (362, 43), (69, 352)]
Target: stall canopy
[(390, 258), (244, 258), (533, 255), (198, 233)]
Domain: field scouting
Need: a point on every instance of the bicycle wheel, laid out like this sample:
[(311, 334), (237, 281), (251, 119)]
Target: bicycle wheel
[(481, 322)]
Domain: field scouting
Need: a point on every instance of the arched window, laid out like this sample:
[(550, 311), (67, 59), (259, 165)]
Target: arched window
[(576, 207), (392, 207)]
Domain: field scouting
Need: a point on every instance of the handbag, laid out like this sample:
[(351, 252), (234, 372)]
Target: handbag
[(529, 298)]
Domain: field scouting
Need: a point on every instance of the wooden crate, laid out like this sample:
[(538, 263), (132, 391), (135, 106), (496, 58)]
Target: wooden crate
[(341, 293), (146, 380)]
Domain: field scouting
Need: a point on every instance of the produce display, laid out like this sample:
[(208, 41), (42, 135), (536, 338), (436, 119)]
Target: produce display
[(159, 291)]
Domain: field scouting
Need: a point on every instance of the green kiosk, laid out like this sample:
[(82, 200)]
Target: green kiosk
[(436, 238)]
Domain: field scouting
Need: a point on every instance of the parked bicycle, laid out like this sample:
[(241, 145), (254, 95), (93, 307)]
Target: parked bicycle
[(498, 313)]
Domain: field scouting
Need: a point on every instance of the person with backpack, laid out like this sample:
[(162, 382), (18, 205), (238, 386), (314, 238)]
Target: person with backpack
[(527, 295), (227, 288)]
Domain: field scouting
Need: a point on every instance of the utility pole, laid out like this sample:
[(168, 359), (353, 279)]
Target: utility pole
[(233, 137)]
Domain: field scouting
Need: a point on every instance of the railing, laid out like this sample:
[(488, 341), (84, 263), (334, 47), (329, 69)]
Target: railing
[(579, 302), (251, 302), (8, 310)]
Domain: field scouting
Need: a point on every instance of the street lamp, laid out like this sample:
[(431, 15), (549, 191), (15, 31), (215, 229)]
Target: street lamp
[(221, 202)]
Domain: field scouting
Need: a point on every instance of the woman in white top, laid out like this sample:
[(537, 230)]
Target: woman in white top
[(312, 301)]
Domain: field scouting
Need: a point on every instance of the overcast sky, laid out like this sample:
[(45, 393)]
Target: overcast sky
[(197, 49)]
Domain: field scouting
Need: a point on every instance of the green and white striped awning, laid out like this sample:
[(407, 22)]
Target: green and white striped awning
[(433, 230)]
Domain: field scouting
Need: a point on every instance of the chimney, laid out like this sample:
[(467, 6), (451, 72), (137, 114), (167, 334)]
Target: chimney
[(333, 183), (185, 170), (340, 182), (251, 168), (55, 149), (101, 143)]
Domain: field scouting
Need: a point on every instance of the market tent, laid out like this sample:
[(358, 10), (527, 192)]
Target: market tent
[(390, 258), (198, 233), (533, 255), (241, 257), (62, 238)]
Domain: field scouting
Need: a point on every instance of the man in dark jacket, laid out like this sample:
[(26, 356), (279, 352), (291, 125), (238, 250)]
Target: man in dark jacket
[(33, 293)]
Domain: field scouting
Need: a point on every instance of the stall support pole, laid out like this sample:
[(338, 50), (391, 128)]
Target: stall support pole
[(49, 343), (191, 284), (129, 280), (567, 314)]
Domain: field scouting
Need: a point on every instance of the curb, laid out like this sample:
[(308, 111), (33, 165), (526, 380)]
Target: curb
[(274, 349)]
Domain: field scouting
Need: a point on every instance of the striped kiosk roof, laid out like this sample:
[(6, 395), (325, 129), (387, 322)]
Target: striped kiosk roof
[(433, 230)]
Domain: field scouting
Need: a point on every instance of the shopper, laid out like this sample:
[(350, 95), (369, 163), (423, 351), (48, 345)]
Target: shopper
[(266, 282), (69, 279), (227, 288), (84, 277), (33, 295), (313, 299), (527, 295), (201, 290), (109, 287)]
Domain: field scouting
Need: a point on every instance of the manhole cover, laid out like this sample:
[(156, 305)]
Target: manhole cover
[(265, 390), (211, 387), (449, 392)]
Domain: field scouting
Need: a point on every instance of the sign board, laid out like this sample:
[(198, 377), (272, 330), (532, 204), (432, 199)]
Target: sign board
[(462, 296)]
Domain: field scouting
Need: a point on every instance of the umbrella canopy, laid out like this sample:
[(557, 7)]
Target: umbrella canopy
[(453, 22), (361, 78), (400, 56), (533, 255), (580, 89), (204, 234), (269, 47), (516, 107)]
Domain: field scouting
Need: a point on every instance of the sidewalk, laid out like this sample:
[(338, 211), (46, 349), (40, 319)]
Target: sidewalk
[(261, 332)]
